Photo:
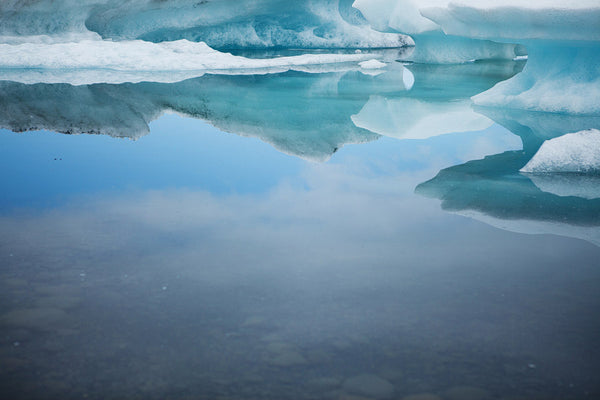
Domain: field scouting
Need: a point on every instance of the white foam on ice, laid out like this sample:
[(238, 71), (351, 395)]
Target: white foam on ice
[(92, 61), (577, 152)]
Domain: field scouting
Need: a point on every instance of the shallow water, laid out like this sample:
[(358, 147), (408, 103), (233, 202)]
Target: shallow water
[(345, 237)]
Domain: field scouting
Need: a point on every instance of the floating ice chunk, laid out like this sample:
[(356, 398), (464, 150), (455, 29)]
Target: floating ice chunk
[(517, 20), (432, 44), (223, 23), (576, 152), (558, 77), (372, 64), (182, 59)]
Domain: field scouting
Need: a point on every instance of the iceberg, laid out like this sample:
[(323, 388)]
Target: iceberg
[(222, 24), (432, 45), (575, 152), (561, 40), (563, 45), (90, 60), (509, 20)]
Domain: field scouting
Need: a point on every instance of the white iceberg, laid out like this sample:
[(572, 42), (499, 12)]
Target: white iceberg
[(93, 61), (575, 152)]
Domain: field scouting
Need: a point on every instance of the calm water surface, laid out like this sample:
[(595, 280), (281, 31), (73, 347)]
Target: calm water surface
[(326, 235)]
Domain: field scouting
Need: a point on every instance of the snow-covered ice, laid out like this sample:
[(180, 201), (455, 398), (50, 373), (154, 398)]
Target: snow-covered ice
[(577, 152), (92, 61)]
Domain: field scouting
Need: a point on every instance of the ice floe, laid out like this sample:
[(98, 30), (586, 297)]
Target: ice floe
[(575, 152)]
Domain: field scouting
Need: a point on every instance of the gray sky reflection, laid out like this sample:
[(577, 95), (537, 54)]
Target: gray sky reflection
[(348, 266)]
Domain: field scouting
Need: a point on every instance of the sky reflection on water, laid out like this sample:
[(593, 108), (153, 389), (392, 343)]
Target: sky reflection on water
[(192, 263)]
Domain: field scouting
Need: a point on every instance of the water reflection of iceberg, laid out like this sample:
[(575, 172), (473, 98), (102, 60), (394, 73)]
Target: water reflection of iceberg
[(493, 190), (577, 185), (438, 102), (299, 113), (303, 114)]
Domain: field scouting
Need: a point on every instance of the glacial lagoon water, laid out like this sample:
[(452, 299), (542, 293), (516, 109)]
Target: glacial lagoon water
[(332, 235)]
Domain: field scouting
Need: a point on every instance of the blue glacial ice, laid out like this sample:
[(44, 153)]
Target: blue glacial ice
[(563, 45), (560, 38), (219, 23), (432, 44)]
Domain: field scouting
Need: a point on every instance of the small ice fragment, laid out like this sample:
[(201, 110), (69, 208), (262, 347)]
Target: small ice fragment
[(16, 344), (357, 51), (531, 366), (164, 288), (82, 274), (372, 64)]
